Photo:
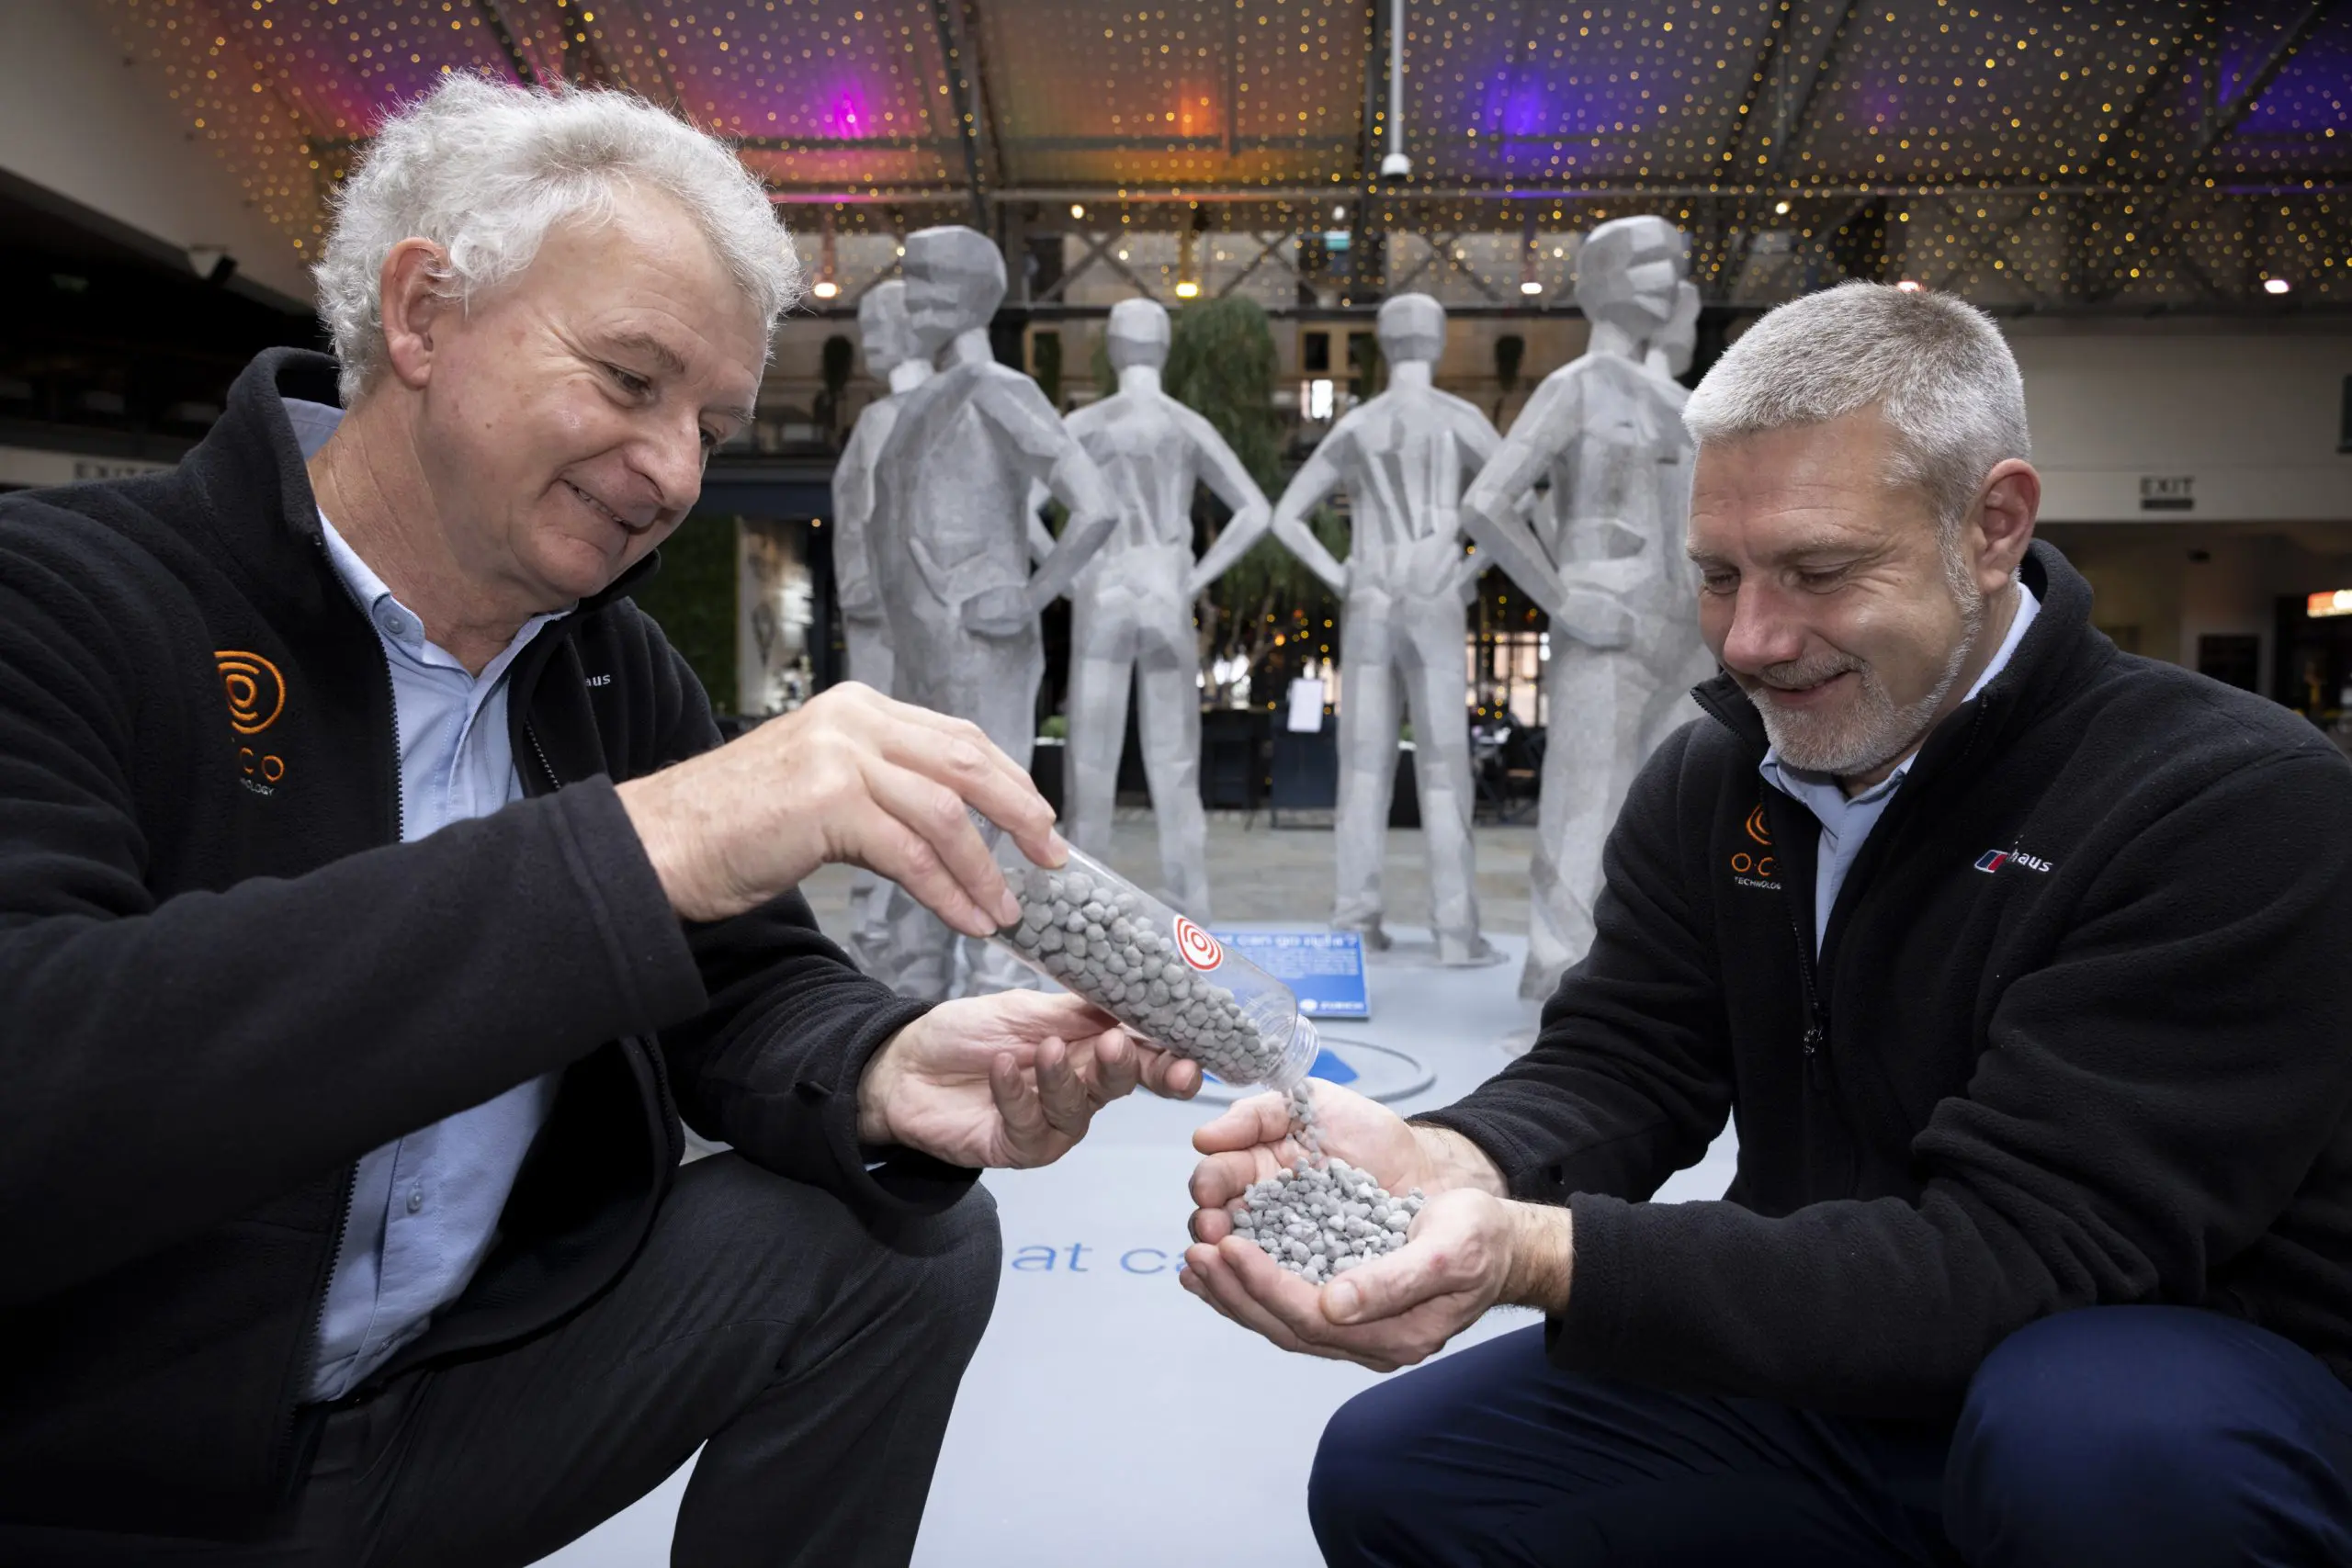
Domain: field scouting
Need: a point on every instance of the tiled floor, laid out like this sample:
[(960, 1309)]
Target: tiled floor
[(1103, 1398)]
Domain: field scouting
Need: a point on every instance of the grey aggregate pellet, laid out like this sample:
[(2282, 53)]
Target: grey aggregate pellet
[(1091, 938), (1322, 1217)]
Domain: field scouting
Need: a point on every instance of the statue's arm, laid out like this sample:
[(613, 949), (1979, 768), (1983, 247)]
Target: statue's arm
[(852, 509), (1014, 405), (1477, 437), (1496, 510), (1316, 478), (1229, 481)]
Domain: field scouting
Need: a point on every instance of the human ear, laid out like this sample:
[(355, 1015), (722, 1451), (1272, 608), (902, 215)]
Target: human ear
[(410, 285), (2005, 510)]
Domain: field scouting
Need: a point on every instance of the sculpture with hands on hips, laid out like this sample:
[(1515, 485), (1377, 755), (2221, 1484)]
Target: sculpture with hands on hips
[(892, 353), (1403, 457), (1605, 561), (1132, 606), (951, 542)]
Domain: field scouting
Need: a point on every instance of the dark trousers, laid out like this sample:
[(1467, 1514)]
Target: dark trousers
[(813, 1362), (2140, 1435)]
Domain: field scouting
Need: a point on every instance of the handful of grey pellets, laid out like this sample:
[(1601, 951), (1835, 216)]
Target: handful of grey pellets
[(1090, 938), (1321, 1218)]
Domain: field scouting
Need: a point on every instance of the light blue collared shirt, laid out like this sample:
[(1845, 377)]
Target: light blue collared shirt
[(1846, 822), (424, 1208)]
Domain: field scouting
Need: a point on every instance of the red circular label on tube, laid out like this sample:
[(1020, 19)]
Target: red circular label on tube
[(1201, 949)]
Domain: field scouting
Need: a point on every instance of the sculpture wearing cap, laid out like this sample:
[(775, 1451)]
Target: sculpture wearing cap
[(950, 542), (891, 353), (1132, 607), (1603, 558), (1403, 458)]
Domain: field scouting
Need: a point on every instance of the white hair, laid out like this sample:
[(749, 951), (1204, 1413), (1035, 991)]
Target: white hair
[(1936, 367), (485, 169)]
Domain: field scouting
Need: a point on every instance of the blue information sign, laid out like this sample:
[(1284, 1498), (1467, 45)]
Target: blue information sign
[(1324, 968)]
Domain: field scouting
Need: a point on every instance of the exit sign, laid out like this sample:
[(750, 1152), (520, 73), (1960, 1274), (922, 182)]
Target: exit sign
[(2167, 492)]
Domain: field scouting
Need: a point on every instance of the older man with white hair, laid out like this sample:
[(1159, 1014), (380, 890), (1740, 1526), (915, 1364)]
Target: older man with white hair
[(375, 896), (2019, 960)]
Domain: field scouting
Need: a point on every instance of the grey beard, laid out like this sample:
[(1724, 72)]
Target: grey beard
[(1879, 730)]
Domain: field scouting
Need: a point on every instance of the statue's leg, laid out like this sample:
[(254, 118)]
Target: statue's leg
[(1168, 673), (1598, 703), (1436, 689), (1000, 694), (945, 668), (1367, 762), (868, 645), (1097, 720)]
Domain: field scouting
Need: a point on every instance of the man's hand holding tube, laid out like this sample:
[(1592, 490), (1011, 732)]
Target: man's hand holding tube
[(1010, 1079), (1470, 1248)]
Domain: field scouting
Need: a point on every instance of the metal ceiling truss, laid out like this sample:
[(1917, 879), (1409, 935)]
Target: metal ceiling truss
[(2221, 121), (1098, 249), (962, 92), (1270, 248), (1774, 118)]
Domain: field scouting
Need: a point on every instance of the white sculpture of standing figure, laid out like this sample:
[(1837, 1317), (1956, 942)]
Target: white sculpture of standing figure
[(1132, 606), (890, 352), (1605, 561), (1403, 457), (950, 544)]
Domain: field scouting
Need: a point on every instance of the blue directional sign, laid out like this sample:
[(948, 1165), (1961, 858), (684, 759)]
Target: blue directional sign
[(1324, 968)]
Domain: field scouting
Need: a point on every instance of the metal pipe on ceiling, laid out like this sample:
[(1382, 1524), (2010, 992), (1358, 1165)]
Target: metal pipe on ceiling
[(1396, 166)]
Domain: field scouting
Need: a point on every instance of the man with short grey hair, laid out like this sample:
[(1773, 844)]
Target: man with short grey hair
[(376, 897), (2017, 959)]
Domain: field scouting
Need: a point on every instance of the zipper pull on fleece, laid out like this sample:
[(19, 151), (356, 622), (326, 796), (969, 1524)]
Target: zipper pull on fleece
[(1815, 1074)]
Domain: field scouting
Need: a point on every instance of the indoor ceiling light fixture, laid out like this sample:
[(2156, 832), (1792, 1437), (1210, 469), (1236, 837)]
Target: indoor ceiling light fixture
[(1078, 209), (2276, 286), (826, 286)]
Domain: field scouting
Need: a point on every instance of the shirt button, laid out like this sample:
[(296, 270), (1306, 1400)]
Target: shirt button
[(415, 1199)]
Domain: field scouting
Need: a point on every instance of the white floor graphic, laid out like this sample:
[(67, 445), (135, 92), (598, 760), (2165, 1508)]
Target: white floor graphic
[(1108, 1414)]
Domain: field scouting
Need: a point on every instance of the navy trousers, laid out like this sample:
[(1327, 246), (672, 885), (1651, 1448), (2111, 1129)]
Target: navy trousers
[(2141, 1435)]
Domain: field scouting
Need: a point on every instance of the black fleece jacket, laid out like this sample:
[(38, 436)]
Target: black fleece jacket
[(2076, 1036), (222, 978)]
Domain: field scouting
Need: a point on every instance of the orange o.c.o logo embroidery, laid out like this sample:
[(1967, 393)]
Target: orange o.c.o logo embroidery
[(1756, 829), (257, 691)]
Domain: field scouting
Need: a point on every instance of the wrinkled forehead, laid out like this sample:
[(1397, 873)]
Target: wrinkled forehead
[(1847, 475)]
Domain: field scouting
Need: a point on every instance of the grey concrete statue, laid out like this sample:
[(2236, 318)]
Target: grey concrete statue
[(1671, 349), (950, 538), (1132, 609), (1403, 457), (1604, 559), (892, 353)]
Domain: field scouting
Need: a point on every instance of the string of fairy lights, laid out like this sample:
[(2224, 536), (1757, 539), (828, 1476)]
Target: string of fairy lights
[(2028, 155)]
